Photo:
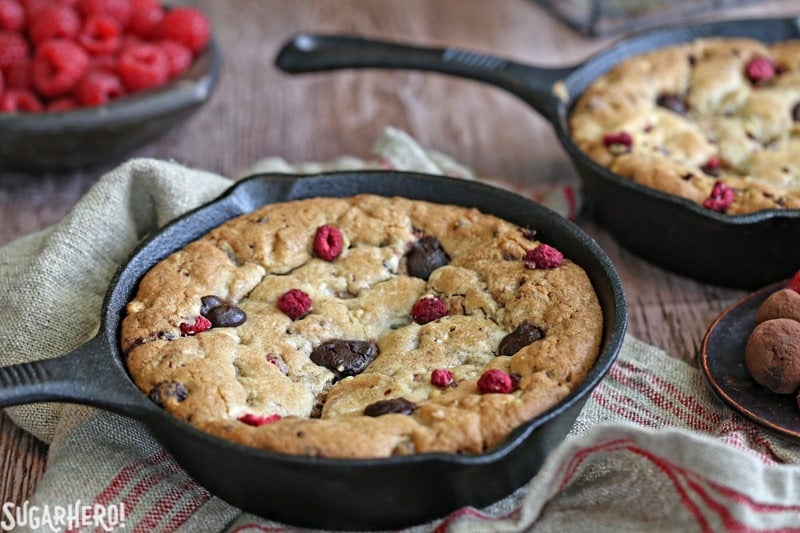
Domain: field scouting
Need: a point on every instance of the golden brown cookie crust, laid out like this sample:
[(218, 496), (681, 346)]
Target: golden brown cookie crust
[(263, 366), (751, 128)]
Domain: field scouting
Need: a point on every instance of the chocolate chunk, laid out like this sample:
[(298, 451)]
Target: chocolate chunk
[(796, 112), (426, 256), (519, 338), (344, 357), (395, 405), (207, 303), (672, 102), (168, 389), (528, 233), (226, 316)]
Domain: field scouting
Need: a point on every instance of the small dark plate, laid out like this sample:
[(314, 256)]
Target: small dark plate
[(105, 134), (722, 363)]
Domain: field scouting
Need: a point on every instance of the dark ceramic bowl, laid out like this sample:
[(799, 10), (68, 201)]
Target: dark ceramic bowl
[(320, 492), (94, 135)]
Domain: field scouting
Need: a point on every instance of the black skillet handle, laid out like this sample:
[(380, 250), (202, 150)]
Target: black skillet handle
[(87, 375), (535, 85)]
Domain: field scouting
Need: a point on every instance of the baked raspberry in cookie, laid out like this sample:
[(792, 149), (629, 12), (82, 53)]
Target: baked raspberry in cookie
[(362, 327), (716, 121)]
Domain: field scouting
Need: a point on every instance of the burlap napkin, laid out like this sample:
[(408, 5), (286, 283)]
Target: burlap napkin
[(652, 450)]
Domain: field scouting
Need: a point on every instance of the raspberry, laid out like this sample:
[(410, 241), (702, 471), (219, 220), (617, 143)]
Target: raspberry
[(13, 49), (104, 63), (794, 283), (97, 88), (295, 303), (119, 10), (146, 15), (441, 377), (100, 34), (14, 100), (186, 25), (143, 66), (178, 55), (65, 103), (2, 82), (54, 22), (328, 242), (760, 70), (58, 66), (12, 15), (720, 199), (428, 309), (252, 419), (543, 256), (495, 380), (201, 323), (619, 142)]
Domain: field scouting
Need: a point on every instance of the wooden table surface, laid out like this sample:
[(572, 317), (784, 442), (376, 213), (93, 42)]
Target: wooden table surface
[(259, 111)]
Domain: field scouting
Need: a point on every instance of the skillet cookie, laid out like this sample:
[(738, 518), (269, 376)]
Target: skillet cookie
[(716, 121), (362, 327)]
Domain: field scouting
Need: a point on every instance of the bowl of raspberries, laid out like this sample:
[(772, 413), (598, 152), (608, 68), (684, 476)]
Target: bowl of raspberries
[(85, 82)]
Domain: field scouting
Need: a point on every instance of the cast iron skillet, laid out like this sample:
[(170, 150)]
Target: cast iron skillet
[(745, 251), (312, 491)]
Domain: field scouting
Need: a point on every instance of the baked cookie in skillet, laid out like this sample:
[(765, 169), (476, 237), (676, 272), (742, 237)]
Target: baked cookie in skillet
[(716, 121), (362, 327)]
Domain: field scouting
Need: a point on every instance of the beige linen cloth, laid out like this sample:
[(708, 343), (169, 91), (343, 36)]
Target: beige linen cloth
[(653, 449)]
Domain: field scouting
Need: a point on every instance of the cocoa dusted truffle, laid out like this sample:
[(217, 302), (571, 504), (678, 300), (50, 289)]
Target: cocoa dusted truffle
[(772, 355), (784, 303)]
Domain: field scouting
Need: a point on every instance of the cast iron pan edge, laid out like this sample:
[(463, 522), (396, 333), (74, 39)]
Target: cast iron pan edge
[(743, 251), (319, 492)]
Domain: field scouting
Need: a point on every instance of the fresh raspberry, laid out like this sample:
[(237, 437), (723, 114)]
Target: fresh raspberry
[(13, 49), (441, 377), (178, 55), (12, 15), (427, 309), (58, 66), (186, 25), (794, 283), (100, 34), (104, 63), (97, 88), (295, 303), (146, 15), (760, 70), (618, 142), (252, 419), (2, 82), (201, 323), (54, 22), (720, 199), (543, 256), (18, 75), (65, 103), (143, 66), (33, 7), (328, 242), (495, 380), (119, 10), (14, 100)]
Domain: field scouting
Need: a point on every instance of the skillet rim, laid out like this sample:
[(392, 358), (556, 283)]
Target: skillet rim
[(619, 50), (155, 417)]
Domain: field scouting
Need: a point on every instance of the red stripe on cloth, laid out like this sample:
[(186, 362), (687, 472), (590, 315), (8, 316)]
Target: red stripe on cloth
[(118, 482), (625, 407), (471, 512), (688, 484), (148, 483), (168, 502)]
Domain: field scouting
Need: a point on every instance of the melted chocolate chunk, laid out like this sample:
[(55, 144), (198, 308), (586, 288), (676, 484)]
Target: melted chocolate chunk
[(226, 316), (524, 335), (426, 256), (796, 112), (395, 405), (207, 303), (168, 389), (674, 103), (344, 357)]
